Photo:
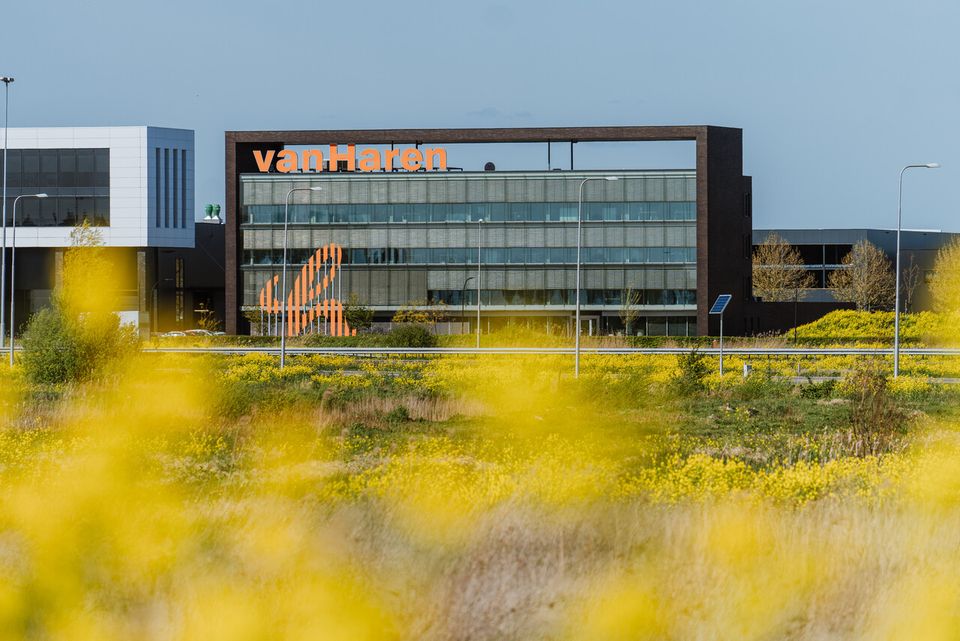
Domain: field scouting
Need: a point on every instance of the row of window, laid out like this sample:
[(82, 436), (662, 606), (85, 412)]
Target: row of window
[(170, 187), (488, 255), (60, 211), (56, 171), (469, 212), (546, 297)]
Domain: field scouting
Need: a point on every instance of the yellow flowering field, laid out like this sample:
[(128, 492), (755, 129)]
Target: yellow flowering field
[(475, 497)]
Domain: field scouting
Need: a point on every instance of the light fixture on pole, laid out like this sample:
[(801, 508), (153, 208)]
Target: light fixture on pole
[(283, 281), (463, 300), (3, 252), (896, 273), (576, 328), (479, 245), (13, 264)]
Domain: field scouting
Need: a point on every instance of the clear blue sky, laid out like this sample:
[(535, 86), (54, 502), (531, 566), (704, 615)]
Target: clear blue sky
[(833, 96)]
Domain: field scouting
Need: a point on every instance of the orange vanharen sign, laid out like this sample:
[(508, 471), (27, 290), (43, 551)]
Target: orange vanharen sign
[(310, 307), (408, 159)]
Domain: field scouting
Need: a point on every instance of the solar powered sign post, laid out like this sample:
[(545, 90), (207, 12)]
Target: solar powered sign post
[(718, 308)]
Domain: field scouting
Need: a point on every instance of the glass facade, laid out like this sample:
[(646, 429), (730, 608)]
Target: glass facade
[(416, 237), (76, 181)]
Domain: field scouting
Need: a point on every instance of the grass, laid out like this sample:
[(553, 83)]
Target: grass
[(493, 497)]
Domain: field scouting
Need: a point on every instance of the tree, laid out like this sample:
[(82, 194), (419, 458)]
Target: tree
[(866, 278), (945, 283), (778, 271), (910, 279), (630, 300), (80, 335), (421, 312), (358, 315)]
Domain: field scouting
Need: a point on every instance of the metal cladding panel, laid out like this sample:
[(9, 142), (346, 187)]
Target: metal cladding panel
[(379, 192), (654, 189), (358, 237), (379, 285), (495, 190), (535, 279), (555, 237), (593, 279), (418, 237), (535, 236), (400, 237), (494, 236), (633, 237), (691, 278), (359, 191), (494, 279), (674, 236), (300, 238), (555, 279), (691, 188), (615, 279), (516, 190), (675, 189), (554, 191), (457, 237), (634, 278), (438, 280), (377, 238), (399, 284), (515, 237), (535, 190), (436, 191), (675, 279), (653, 279), (614, 235), (475, 191), (418, 191), (592, 236), (399, 191), (515, 279), (634, 188), (456, 190), (690, 233), (653, 235)]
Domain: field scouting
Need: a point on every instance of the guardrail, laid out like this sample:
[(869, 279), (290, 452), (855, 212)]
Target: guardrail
[(424, 351)]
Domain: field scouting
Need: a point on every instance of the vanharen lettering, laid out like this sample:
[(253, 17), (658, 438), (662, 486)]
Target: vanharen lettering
[(408, 159)]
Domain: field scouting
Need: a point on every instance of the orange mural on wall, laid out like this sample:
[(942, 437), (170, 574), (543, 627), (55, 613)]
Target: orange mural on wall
[(310, 305)]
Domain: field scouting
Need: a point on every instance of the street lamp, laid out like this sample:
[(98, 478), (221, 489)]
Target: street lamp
[(3, 259), (463, 300), (576, 330), (896, 307), (283, 283), (13, 264), (479, 245)]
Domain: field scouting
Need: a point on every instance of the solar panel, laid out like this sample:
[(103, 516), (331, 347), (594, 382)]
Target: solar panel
[(721, 303)]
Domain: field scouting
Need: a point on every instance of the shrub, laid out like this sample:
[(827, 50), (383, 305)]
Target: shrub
[(876, 421), (412, 335), (60, 349), (691, 371)]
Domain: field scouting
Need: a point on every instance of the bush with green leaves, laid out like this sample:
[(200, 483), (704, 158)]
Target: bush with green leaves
[(692, 370), (411, 335), (60, 349)]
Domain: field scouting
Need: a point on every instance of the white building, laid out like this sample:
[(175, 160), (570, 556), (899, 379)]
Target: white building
[(135, 184)]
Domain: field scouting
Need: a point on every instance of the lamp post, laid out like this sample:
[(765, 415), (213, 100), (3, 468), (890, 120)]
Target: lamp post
[(463, 301), (896, 305), (479, 245), (13, 264), (283, 281), (3, 252), (576, 328)]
